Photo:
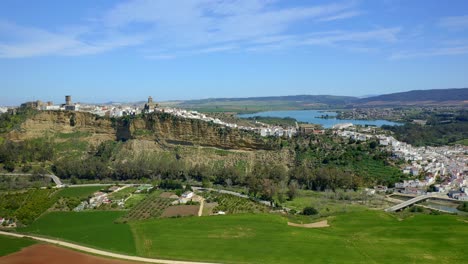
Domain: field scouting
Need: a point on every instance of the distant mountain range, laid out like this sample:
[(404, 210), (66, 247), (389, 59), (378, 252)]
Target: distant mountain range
[(320, 99), (457, 96), (433, 97)]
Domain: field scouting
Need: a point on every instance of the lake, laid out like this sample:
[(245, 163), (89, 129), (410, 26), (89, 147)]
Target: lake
[(313, 117)]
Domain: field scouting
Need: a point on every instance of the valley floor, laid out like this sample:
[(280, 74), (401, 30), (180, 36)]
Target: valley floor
[(357, 237)]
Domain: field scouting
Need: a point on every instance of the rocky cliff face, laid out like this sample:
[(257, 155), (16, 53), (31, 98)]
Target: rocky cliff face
[(53, 122), (159, 127), (170, 129)]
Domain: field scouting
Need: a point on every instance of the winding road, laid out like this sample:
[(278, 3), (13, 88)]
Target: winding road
[(56, 179), (99, 252)]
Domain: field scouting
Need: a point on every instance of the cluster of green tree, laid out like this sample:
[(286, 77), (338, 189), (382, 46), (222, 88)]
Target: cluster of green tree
[(365, 163), (25, 207), (463, 207), (10, 121), (322, 162), (11, 182), (66, 203), (12, 153), (170, 185), (309, 211), (440, 129)]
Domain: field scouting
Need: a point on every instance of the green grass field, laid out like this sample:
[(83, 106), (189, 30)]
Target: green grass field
[(122, 194), (134, 200), (358, 237), (79, 192), (96, 229), (10, 245)]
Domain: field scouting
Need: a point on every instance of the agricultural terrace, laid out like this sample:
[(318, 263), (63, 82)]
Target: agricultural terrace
[(232, 204), (357, 237), (13, 244), (150, 207), (93, 228)]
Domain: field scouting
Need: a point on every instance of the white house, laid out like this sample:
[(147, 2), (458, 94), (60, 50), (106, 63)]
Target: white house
[(187, 195)]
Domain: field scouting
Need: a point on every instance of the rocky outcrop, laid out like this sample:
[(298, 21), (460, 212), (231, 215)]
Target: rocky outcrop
[(49, 123), (165, 129)]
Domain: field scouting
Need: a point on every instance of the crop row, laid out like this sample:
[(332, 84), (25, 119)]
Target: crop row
[(151, 207)]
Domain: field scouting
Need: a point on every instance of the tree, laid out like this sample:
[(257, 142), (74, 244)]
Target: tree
[(463, 207), (9, 166), (292, 189), (309, 210)]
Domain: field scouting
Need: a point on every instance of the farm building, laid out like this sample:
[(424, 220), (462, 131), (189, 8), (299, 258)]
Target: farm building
[(144, 188), (187, 195)]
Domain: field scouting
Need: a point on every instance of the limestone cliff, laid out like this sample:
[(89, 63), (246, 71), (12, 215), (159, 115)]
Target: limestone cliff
[(49, 123), (169, 129), (162, 128)]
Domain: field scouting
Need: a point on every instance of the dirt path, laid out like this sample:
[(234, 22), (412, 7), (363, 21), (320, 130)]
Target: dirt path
[(100, 252), (200, 210), (320, 224)]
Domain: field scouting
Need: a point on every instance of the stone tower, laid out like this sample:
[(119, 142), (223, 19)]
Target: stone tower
[(68, 100)]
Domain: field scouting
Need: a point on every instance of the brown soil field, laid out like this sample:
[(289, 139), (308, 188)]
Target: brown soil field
[(166, 195), (180, 210), (320, 224), (48, 254)]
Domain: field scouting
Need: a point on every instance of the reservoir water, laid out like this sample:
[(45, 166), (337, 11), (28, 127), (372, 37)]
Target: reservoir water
[(313, 117)]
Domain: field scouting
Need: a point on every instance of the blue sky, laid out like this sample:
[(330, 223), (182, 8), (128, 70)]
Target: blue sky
[(101, 51)]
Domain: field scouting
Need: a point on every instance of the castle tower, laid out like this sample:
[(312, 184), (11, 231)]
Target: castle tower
[(150, 100), (68, 100)]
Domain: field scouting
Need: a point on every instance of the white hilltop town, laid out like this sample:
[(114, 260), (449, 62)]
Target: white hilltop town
[(120, 110), (444, 168)]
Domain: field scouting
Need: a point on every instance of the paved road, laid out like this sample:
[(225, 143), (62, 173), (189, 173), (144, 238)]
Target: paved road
[(56, 179), (100, 252), (408, 203)]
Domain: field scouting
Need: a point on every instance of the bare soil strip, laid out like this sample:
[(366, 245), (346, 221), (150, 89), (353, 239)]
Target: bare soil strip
[(49, 254), (320, 224)]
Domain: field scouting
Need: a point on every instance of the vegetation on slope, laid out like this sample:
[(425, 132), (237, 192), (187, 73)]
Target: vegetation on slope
[(26, 206), (440, 129), (9, 121), (276, 121)]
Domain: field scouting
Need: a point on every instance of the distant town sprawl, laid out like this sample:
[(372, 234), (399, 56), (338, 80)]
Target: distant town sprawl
[(441, 168)]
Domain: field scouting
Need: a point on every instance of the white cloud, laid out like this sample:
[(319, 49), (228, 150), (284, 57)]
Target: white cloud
[(184, 27), (443, 51), (346, 40), (386, 35), (340, 16), (454, 22), (30, 42)]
